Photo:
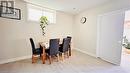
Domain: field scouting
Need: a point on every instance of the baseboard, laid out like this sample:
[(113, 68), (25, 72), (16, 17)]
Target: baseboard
[(85, 52), (15, 59)]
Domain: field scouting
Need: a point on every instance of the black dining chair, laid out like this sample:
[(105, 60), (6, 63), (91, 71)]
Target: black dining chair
[(35, 51), (64, 48), (53, 49), (69, 45)]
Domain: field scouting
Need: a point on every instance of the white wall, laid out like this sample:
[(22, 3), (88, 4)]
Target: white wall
[(85, 35), (62, 28), (15, 34)]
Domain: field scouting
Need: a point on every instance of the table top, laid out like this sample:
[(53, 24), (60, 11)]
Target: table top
[(44, 44)]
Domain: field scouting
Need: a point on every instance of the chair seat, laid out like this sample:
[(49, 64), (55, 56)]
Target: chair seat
[(37, 51)]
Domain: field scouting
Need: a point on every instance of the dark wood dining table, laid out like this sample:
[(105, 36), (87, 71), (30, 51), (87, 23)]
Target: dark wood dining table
[(45, 46)]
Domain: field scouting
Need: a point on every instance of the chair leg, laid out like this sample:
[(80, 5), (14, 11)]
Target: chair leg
[(70, 49), (67, 54), (62, 56), (50, 59), (34, 58), (43, 58), (57, 57)]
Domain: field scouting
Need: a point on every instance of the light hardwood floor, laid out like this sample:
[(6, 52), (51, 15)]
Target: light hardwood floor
[(77, 63)]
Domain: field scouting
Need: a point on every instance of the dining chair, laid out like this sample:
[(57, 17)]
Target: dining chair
[(64, 48), (35, 51), (53, 49), (69, 45)]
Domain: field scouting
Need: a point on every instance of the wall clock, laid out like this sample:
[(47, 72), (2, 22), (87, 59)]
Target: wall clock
[(83, 20)]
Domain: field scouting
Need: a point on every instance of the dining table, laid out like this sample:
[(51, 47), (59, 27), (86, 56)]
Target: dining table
[(44, 46)]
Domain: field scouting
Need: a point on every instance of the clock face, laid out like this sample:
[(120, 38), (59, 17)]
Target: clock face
[(83, 20)]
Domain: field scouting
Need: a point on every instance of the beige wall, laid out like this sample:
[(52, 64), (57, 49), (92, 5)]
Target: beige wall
[(15, 34), (85, 34)]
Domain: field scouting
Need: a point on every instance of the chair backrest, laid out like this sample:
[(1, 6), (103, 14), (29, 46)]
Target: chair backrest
[(33, 45), (54, 46), (69, 38), (66, 42)]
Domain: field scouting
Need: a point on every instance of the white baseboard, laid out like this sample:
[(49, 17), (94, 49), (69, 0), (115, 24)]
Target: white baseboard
[(85, 52), (15, 59)]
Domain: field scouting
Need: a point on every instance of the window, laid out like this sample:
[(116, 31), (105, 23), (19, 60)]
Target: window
[(35, 12)]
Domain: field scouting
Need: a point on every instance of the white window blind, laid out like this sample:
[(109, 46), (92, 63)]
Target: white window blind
[(35, 12)]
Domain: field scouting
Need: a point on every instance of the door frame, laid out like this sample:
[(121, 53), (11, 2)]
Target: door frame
[(98, 29)]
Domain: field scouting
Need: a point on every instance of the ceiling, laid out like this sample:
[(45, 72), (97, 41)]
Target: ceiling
[(69, 6)]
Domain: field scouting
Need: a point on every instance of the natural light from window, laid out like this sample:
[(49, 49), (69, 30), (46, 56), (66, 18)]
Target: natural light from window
[(35, 12)]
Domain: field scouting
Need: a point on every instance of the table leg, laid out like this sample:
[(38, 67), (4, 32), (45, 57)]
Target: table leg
[(43, 56)]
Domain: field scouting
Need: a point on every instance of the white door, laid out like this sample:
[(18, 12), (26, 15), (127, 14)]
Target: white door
[(110, 33)]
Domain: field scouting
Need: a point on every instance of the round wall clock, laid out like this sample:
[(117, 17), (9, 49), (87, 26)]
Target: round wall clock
[(83, 20)]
